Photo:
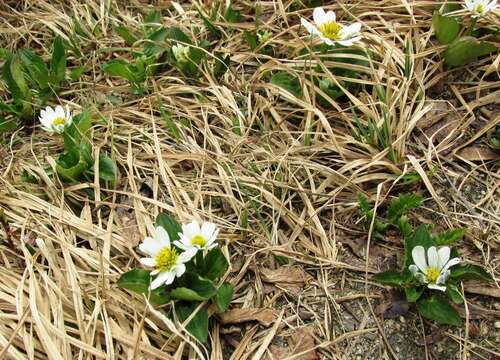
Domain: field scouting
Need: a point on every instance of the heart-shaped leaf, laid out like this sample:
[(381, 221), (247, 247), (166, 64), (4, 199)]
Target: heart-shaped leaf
[(446, 28), (466, 50), (437, 308)]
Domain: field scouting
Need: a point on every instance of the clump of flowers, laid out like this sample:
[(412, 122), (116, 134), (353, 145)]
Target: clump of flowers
[(55, 120), (432, 269), (186, 264), (330, 31)]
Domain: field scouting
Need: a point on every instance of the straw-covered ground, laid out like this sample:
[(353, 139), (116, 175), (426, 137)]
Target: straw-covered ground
[(279, 173)]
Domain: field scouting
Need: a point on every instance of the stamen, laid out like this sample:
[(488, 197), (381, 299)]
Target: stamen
[(166, 259), (330, 30)]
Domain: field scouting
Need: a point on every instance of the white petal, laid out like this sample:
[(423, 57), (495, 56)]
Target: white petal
[(151, 262), (450, 263), (211, 246), (326, 40), (350, 31), (444, 256), (418, 255), (60, 111), (150, 246), (208, 229), (310, 27), (413, 269), (161, 279), (432, 257), (180, 245), (349, 42), (436, 287), (330, 16), (191, 229), (441, 280), (188, 254), (161, 236), (180, 269), (319, 16)]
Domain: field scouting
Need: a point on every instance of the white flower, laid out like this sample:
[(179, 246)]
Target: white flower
[(194, 237), (55, 120), (480, 7), (329, 31), (181, 53), (433, 270), (167, 261)]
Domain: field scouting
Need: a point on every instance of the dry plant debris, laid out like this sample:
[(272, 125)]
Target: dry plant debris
[(255, 141)]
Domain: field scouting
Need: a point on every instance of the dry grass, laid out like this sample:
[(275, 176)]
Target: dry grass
[(61, 301)]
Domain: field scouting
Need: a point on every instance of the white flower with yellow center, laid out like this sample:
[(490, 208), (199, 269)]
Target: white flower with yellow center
[(55, 120), (330, 31), (195, 237), (480, 7), (168, 262), (432, 270)]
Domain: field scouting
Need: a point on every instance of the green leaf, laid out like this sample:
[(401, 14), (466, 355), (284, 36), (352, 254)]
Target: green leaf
[(470, 271), (170, 224), (446, 28), (7, 125), (466, 50), (287, 82), (449, 237), (78, 131), (198, 326), (36, 68), (413, 293), (121, 68), (252, 39), (71, 165), (211, 27), (77, 72), (126, 35), (365, 207), (420, 237), (14, 77), (214, 265), (152, 46), (231, 15), (138, 281), (437, 308), (154, 17), (221, 64), (193, 288), (174, 33), (107, 168), (401, 204), (58, 61), (172, 127), (223, 296), (454, 293), (390, 277)]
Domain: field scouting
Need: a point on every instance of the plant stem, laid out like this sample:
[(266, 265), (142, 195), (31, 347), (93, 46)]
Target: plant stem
[(472, 26)]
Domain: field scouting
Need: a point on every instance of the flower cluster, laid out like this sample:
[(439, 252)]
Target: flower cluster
[(168, 262)]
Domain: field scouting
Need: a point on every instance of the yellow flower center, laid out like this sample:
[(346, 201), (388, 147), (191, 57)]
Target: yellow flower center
[(199, 240), (479, 8), (59, 121), (166, 259), (330, 30), (432, 274)]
